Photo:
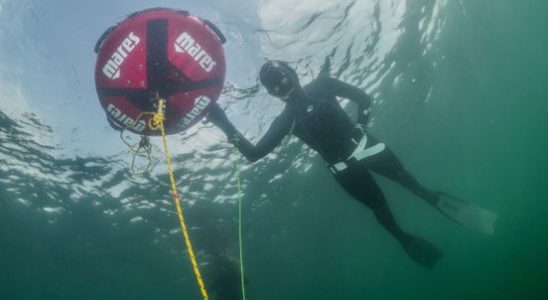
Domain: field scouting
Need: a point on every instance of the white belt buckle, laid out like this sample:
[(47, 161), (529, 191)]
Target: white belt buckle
[(360, 147), (340, 166), (361, 152)]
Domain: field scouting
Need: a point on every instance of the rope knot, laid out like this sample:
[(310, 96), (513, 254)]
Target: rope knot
[(157, 120)]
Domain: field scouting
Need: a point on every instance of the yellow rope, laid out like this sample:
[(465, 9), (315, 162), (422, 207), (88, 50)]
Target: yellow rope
[(157, 123)]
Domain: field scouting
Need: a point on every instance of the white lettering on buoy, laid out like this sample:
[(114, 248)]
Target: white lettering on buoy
[(200, 104), (124, 120), (112, 67), (185, 42)]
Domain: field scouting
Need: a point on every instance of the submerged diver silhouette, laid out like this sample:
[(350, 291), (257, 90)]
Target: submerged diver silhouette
[(224, 280), (218, 251), (313, 114)]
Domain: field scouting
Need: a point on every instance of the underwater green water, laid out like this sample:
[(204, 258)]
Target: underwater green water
[(460, 96)]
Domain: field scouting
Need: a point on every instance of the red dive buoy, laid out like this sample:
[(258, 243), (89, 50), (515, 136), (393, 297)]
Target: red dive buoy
[(159, 53)]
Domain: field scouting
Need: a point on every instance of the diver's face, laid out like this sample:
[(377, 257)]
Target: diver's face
[(281, 89)]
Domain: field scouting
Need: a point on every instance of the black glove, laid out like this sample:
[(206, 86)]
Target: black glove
[(363, 116), (218, 117)]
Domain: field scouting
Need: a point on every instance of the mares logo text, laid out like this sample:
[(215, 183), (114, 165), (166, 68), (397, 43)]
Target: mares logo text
[(112, 68), (185, 43), (124, 120), (200, 104)]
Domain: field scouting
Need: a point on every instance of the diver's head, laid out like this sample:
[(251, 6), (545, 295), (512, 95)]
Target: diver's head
[(279, 79)]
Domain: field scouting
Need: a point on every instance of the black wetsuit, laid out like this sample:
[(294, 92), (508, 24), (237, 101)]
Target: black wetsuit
[(316, 118)]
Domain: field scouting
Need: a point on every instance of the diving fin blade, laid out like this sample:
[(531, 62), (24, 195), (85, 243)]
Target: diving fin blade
[(422, 252), (467, 214)]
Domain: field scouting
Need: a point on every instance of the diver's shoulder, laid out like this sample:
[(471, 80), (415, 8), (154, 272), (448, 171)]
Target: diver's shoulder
[(319, 82)]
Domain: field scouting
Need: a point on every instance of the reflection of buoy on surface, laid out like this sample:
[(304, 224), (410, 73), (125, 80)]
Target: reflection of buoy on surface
[(159, 53)]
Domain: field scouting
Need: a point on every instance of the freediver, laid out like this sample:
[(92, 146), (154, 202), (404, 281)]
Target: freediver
[(224, 280), (313, 114), (221, 272), (218, 251)]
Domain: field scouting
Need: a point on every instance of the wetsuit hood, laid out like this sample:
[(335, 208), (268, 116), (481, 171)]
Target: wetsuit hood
[(279, 79)]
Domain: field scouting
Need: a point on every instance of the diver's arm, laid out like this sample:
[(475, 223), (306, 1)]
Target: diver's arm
[(348, 91), (279, 128)]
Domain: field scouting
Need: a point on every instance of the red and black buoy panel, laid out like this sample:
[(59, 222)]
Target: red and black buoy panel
[(159, 53)]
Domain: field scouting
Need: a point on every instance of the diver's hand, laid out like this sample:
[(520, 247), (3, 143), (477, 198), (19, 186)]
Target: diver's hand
[(218, 117), (363, 116)]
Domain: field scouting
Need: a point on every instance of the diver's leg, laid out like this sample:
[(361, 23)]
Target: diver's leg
[(361, 185), (364, 189), (388, 165)]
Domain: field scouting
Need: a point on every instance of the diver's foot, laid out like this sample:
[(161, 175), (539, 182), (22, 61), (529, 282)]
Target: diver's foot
[(432, 197), (422, 252), (466, 214)]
